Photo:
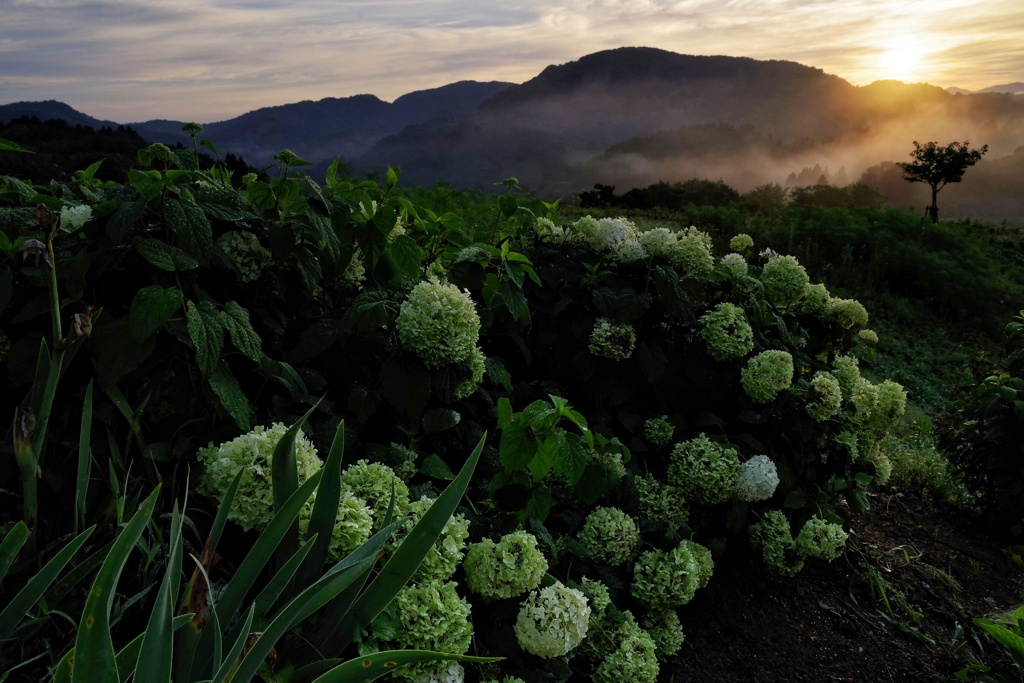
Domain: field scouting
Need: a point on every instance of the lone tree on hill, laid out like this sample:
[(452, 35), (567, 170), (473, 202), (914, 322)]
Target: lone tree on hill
[(938, 166)]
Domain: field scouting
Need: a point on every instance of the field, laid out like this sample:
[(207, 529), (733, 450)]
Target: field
[(296, 429)]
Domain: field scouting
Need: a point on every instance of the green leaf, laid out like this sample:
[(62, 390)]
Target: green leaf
[(572, 459), (124, 220), (325, 507), (391, 179), (84, 468), (243, 336), (94, 647), (435, 467), (231, 396), (151, 307), (516, 447), (206, 329), (439, 420), (8, 146), (19, 606), (11, 546), (1012, 642), (371, 310), (373, 666), (157, 648), (190, 224), (507, 205), (406, 255), (498, 374), (162, 255), (545, 458), (284, 477)]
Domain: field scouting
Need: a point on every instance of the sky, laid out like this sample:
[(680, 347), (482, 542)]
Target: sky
[(211, 60)]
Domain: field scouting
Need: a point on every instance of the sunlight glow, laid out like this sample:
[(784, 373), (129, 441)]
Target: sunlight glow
[(901, 63)]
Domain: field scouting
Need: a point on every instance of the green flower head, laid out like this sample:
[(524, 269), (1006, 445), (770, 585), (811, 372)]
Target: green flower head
[(772, 536), (246, 254), (826, 398), (820, 539), (504, 569), (741, 242), (372, 482), (439, 323), (758, 479), (847, 313), (448, 550), (767, 374), (660, 502), (727, 332), (665, 630), (785, 280), (615, 342), (668, 579), (658, 430), (611, 535), (433, 617), (552, 621), (705, 472)]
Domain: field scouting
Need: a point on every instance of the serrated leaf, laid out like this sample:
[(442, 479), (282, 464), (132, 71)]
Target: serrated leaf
[(206, 329), (163, 255), (498, 374), (231, 396), (189, 223), (572, 458), (406, 255), (151, 307), (435, 467), (515, 447), (545, 458), (243, 336), (124, 220), (371, 310), (439, 420)]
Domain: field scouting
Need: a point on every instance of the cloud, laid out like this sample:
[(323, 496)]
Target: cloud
[(206, 60)]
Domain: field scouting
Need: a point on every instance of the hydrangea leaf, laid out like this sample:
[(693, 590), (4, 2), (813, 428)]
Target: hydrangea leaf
[(243, 336), (206, 329), (231, 396), (151, 307), (164, 256)]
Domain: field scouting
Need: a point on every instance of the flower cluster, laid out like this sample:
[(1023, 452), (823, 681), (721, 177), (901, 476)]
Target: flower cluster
[(552, 621), (658, 430), (827, 398), (704, 471), (660, 502), (504, 569), (846, 369), (632, 656), (549, 231), (455, 673), (448, 550), (352, 525), (758, 479), (772, 536), (611, 535), (615, 237), (668, 579), (878, 407), (767, 374), (785, 280), (816, 298), (439, 323), (735, 263), (820, 539), (847, 313), (355, 272), (598, 598), (615, 342), (741, 242), (506, 679), (689, 251), (246, 254), (74, 217), (476, 363), (727, 332), (252, 454), (665, 630), (373, 482), (433, 617)]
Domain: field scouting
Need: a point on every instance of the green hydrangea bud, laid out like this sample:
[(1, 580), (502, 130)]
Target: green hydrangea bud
[(660, 502), (611, 535), (741, 242), (438, 323), (433, 617), (372, 482), (868, 337), (504, 569), (246, 254), (658, 430), (727, 332), (669, 579), (785, 280), (634, 658), (552, 621), (476, 362), (772, 536), (816, 298), (826, 399), (821, 539), (665, 630), (767, 374), (615, 342), (847, 313), (704, 471)]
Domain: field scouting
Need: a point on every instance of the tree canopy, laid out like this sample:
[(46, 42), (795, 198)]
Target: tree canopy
[(937, 166)]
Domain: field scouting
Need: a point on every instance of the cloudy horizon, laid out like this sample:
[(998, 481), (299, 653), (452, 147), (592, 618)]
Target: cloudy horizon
[(135, 60)]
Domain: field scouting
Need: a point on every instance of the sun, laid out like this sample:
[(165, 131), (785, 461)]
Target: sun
[(900, 62)]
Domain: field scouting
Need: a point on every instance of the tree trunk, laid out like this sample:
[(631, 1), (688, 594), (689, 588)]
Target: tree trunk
[(933, 210)]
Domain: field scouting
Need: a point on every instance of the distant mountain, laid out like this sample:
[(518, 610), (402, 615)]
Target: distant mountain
[(632, 117), (51, 110), (1012, 88)]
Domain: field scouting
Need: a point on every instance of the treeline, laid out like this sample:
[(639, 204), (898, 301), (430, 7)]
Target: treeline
[(59, 149), (716, 193)]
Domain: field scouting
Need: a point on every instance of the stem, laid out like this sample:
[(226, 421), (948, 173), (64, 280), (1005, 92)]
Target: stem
[(58, 333)]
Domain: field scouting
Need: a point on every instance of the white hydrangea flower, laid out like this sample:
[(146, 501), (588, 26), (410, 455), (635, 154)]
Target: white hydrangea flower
[(455, 673), (735, 263), (552, 621), (74, 217), (758, 479), (439, 323)]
